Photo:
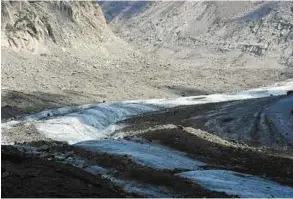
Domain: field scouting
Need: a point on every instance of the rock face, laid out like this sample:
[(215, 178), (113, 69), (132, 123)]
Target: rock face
[(255, 29), (33, 25), (62, 47)]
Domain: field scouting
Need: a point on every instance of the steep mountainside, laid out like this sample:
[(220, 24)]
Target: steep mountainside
[(76, 24), (246, 32)]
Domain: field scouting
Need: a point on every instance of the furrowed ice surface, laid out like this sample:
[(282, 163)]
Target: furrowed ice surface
[(155, 156), (240, 184), (280, 114), (113, 106), (91, 122)]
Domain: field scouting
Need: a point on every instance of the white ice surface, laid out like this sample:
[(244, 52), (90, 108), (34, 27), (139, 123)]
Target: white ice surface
[(274, 90), (244, 185), (90, 124), (154, 156), (9, 124)]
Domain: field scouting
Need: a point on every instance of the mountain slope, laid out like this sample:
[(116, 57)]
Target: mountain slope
[(25, 24), (258, 29), (62, 52)]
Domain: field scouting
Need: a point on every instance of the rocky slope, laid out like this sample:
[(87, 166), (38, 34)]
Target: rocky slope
[(53, 50), (258, 29), (27, 25)]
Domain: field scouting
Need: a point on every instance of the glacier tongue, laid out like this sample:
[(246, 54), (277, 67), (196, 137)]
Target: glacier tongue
[(96, 121)]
